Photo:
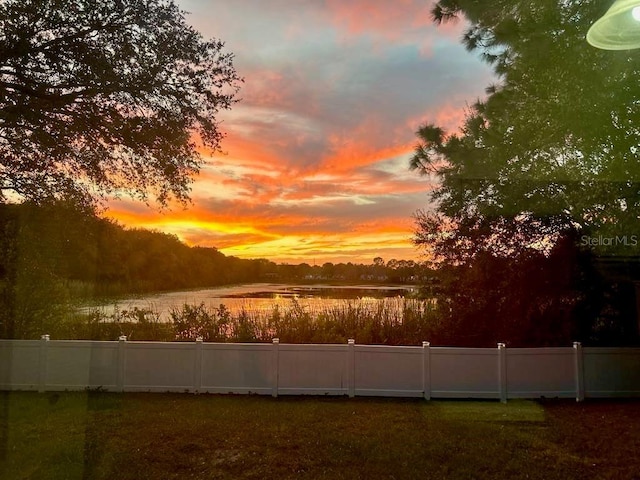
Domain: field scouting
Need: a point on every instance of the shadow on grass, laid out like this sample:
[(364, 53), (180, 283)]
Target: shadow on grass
[(143, 436)]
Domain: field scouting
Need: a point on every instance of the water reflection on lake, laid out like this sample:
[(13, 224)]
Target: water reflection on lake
[(260, 298)]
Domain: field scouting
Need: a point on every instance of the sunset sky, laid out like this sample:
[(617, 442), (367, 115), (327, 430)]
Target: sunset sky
[(317, 150)]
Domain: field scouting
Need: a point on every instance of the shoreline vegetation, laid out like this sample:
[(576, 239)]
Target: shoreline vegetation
[(389, 321)]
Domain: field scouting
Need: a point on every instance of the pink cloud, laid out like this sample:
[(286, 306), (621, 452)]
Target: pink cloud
[(317, 150), (399, 22), (391, 19)]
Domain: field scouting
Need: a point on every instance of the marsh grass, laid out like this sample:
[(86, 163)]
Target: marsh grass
[(93, 435), (391, 321)]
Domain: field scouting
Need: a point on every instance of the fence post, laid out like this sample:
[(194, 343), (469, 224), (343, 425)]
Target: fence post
[(502, 371), (579, 369), (275, 366), (426, 370), (42, 363), (351, 367), (122, 341), (197, 373)]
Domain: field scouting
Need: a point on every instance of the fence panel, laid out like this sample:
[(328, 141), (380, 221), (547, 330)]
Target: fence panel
[(159, 367), (464, 373), (541, 372), (611, 372), (237, 368), (75, 365), (313, 369), (389, 371), (20, 364)]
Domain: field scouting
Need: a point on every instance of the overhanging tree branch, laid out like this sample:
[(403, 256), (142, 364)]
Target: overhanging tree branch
[(113, 92)]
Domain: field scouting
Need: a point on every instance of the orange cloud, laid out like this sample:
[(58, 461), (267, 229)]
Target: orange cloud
[(316, 162), (450, 116), (285, 233)]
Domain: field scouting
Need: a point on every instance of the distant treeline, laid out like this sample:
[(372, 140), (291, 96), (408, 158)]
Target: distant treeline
[(74, 246), (62, 243)]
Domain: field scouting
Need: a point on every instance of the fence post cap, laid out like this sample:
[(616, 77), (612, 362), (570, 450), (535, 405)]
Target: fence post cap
[(426, 344), (577, 344), (502, 345), (351, 341), (276, 340), (45, 337)]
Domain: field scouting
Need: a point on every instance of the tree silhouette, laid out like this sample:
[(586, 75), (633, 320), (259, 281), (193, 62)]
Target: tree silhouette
[(106, 96), (544, 170), (553, 148)]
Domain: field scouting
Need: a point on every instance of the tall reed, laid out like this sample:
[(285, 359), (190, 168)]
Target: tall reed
[(391, 321)]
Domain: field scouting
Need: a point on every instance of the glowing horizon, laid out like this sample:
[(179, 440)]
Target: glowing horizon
[(317, 151)]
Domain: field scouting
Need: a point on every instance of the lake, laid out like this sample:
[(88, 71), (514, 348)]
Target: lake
[(260, 298)]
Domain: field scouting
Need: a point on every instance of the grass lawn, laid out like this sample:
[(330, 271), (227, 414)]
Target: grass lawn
[(166, 436)]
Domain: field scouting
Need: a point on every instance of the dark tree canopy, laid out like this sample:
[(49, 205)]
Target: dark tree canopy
[(535, 215), (106, 96), (554, 148)]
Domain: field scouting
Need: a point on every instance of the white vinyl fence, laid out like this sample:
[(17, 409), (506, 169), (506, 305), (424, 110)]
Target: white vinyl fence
[(287, 369)]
